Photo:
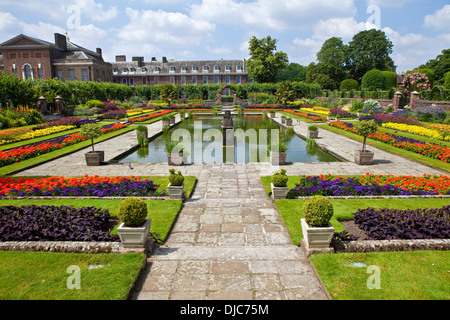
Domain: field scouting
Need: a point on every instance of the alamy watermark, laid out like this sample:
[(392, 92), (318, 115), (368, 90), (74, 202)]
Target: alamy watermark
[(375, 18), (74, 280), (374, 281)]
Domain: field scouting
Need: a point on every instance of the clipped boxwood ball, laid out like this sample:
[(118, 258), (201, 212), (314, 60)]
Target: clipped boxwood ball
[(318, 211), (132, 212)]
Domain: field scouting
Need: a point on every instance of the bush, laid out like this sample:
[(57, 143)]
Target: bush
[(390, 80), (313, 128), (132, 212), (447, 80), (280, 179), (318, 211), (357, 105), (430, 114), (373, 80), (349, 84), (94, 104), (175, 179)]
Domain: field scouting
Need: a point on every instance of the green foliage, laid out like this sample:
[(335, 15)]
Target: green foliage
[(368, 50), (91, 131), (318, 211), (132, 212), (313, 128), (365, 128), (94, 104), (175, 179), (293, 72), (390, 80), (168, 93), (141, 128), (447, 80), (280, 179), (357, 105), (373, 80), (349, 84), (285, 92), (264, 63), (440, 66)]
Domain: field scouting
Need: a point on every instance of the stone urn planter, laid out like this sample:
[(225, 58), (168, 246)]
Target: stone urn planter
[(313, 132), (272, 114), (135, 227), (94, 158), (279, 185), (279, 192), (364, 158), (316, 228), (175, 188), (283, 120), (134, 237), (318, 237), (277, 158), (288, 122)]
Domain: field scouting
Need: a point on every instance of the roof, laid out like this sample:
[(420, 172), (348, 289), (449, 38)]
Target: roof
[(24, 41)]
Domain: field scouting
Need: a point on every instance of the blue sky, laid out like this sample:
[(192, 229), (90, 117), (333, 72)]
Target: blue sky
[(215, 29)]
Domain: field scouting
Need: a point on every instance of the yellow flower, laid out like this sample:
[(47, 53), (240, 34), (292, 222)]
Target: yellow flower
[(414, 129)]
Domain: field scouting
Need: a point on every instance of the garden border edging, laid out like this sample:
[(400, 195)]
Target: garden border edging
[(390, 245)]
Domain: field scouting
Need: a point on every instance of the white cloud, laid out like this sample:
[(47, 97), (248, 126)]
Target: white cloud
[(95, 11), (218, 51), (388, 3), (277, 15), (440, 19)]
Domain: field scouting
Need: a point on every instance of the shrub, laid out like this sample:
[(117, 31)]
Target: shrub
[(390, 80), (430, 114), (415, 82), (447, 80), (94, 104), (349, 84), (318, 211), (365, 128), (280, 179), (132, 212), (357, 105), (373, 80), (141, 128), (175, 179), (313, 128)]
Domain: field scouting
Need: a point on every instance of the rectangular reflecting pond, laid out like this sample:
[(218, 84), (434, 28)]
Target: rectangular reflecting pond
[(203, 137)]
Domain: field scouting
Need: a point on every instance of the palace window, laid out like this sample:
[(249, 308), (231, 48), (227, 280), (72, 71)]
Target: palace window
[(72, 75), (84, 75)]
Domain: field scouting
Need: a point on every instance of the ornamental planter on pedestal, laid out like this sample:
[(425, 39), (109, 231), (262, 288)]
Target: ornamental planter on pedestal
[(317, 237), (313, 132), (288, 122), (95, 158), (364, 158), (279, 185), (175, 159), (134, 237)]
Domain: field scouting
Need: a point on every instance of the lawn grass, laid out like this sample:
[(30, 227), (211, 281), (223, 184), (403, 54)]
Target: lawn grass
[(291, 210), (386, 147), (22, 165), (44, 275), (415, 275)]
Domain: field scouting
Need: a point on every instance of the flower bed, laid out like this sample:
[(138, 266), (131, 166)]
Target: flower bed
[(51, 223), (33, 150), (150, 116), (430, 150), (86, 186), (113, 114), (68, 121), (306, 115), (415, 129), (371, 185), (315, 110), (396, 119), (37, 133), (388, 224)]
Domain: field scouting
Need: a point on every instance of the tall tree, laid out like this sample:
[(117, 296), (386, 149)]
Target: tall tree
[(333, 52), (293, 72), (440, 66), (265, 63), (369, 50)]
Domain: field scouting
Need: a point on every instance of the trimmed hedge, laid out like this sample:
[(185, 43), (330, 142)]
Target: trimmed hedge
[(349, 84), (373, 80)]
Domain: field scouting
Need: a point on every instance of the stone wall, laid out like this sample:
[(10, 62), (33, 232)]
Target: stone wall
[(390, 245)]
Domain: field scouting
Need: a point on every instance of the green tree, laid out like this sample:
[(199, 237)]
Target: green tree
[(265, 63), (369, 50), (440, 65), (328, 76), (285, 92), (168, 93), (293, 72), (333, 52)]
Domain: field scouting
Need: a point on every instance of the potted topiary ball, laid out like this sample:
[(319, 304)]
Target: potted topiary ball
[(279, 185), (316, 227), (176, 185), (313, 132), (135, 227), (92, 131), (365, 128)]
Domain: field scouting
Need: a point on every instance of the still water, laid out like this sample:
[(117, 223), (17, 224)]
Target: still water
[(203, 133)]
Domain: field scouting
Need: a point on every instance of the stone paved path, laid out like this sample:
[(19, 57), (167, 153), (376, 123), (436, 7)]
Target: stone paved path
[(229, 243)]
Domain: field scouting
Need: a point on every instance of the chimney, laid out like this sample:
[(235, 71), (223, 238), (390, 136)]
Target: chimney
[(99, 51), (121, 58), (153, 59), (139, 60), (61, 41), (164, 59)]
